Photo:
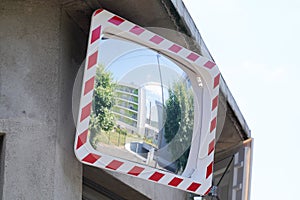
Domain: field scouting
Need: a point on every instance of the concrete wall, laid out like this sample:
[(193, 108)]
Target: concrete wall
[(41, 50)]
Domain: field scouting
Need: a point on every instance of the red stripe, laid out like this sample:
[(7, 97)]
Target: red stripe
[(137, 30), (89, 85), (92, 60), (194, 186), (214, 103), (175, 48), (135, 171), (96, 34), (115, 164), (91, 158), (98, 11), (213, 124), (209, 169), (206, 193), (211, 147), (156, 39), (217, 80), (82, 139), (79, 143), (209, 64), (175, 181), (193, 57), (156, 176), (116, 20), (86, 111)]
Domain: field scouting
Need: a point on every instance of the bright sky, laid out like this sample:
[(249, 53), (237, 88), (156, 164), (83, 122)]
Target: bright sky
[(256, 46)]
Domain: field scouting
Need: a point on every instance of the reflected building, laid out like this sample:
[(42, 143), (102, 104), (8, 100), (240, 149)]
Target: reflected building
[(127, 109), (154, 128), (137, 113)]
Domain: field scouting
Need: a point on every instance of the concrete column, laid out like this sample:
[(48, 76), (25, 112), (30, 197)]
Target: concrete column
[(41, 50)]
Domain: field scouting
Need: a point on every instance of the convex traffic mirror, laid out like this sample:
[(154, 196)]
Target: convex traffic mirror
[(148, 106)]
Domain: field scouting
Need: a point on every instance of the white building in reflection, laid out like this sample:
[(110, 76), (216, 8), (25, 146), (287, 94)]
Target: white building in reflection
[(139, 110), (127, 106)]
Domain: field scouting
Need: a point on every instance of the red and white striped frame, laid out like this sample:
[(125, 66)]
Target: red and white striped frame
[(104, 22)]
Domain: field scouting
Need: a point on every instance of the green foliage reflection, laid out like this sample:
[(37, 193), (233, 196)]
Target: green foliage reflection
[(179, 122)]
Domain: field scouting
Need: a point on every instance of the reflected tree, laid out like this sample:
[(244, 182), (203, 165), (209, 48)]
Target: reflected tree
[(102, 117), (179, 122)]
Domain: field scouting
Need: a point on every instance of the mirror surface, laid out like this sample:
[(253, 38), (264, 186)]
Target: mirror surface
[(143, 106)]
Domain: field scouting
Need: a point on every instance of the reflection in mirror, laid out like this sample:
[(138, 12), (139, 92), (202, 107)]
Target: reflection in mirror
[(143, 107)]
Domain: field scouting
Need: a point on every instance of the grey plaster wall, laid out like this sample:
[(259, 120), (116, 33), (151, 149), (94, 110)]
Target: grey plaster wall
[(41, 49)]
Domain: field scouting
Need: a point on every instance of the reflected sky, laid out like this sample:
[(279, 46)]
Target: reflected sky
[(145, 79), (137, 66)]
